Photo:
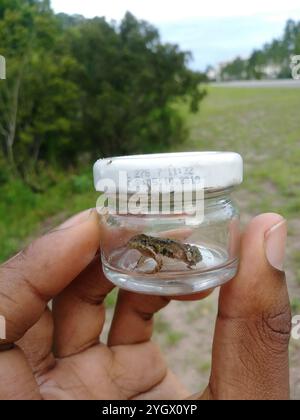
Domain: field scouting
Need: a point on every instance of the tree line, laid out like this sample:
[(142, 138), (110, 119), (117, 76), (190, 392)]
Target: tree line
[(78, 89), (271, 61)]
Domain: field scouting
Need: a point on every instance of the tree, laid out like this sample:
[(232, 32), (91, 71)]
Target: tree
[(78, 87), (271, 61), (37, 100), (130, 82), (235, 70)]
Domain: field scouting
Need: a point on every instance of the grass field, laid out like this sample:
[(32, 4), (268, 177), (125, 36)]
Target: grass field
[(263, 125), (24, 214)]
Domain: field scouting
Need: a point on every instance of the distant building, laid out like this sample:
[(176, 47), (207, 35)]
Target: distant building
[(211, 73), (218, 70), (270, 70)]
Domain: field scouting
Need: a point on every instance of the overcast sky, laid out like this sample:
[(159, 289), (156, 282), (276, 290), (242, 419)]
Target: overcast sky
[(213, 30)]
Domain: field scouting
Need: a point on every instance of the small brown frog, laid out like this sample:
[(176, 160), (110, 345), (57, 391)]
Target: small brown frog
[(156, 248)]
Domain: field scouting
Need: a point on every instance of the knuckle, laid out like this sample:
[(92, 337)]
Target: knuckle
[(93, 299)]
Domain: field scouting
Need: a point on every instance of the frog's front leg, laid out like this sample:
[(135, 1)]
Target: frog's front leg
[(159, 263), (191, 266)]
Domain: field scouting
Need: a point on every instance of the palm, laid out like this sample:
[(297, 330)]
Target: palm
[(68, 360), (61, 357), (120, 372)]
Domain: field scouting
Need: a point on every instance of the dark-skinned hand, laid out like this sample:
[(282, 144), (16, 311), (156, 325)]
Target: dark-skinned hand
[(58, 354)]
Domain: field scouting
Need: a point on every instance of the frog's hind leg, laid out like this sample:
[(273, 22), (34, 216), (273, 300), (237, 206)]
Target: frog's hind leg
[(149, 253)]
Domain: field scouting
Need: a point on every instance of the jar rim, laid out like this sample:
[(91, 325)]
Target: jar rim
[(216, 170)]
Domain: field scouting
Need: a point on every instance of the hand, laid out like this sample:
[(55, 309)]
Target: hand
[(58, 354)]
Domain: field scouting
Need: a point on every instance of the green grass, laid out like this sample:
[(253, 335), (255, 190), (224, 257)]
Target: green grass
[(199, 310), (173, 337), (296, 263), (261, 124), (204, 367), (161, 326), (111, 299), (164, 329), (295, 306), (24, 214)]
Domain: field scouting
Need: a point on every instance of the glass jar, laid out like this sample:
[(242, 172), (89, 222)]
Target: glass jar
[(168, 222)]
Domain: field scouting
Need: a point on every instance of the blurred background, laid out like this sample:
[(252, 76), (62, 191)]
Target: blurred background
[(92, 79)]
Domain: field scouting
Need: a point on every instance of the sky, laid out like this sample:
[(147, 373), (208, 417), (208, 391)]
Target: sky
[(215, 31)]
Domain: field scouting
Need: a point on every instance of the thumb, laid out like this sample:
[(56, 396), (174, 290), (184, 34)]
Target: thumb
[(250, 350)]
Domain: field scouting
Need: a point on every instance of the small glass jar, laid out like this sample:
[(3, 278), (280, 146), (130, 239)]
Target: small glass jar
[(168, 222)]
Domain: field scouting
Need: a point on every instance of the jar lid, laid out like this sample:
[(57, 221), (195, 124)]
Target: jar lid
[(217, 170)]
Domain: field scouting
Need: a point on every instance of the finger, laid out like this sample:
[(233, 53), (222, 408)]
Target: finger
[(250, 351), (37, 345), (170, 388), (79, 312), (47, 266), (27, 282), (133, 318), (128, 372), (176, 234), (194, 296), (17, 380)]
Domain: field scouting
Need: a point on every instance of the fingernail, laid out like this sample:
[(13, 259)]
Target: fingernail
[(77, 219), (275, 244)]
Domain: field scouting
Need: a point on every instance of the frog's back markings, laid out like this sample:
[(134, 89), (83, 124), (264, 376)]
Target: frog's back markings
[(154, 247)]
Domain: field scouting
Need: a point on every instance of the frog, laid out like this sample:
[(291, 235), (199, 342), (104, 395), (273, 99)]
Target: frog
[(157, 248)]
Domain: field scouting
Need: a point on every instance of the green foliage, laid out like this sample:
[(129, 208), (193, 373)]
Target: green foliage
[(79, 87), (130, 81), (37, 101), (235, 70), (273, 60), (81, 183)]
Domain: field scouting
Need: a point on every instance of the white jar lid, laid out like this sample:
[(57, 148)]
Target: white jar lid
[(217, 170)]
